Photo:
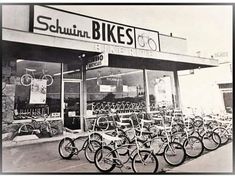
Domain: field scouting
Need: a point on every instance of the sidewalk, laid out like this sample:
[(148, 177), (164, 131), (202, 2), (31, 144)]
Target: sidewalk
[(28, 140), (218, 161)]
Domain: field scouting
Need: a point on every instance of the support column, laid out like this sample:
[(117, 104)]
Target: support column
[(177, 90), (146, 90), (83, 95), (62, 93)]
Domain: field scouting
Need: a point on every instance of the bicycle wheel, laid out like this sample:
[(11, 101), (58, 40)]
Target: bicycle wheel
[(223, 133), (141, 40), (95, 136), (105, 159), (53, 131), (26, 80), (174, 154), (158, 145), (144, 161), (103, 123), (48, 78), (193, 146), (90, 150), (152, 44), (25, 129), (211, 140), (66, 148)]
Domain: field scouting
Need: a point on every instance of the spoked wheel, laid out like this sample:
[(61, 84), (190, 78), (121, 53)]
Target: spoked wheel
[(95, 136), (211, 140), (174, 154), (158, 144), (144, 161), (193, 146), (105, 159), (53, 131), (66, 148), (102, 123), (223, 133), (123, 145), (48, 78), (26, 80), (90, 150), (26, 129)]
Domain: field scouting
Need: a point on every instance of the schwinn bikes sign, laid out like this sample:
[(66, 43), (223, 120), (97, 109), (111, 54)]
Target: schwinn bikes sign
[(55, 22)]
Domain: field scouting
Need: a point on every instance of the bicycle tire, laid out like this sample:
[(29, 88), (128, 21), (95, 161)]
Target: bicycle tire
[(26, 80), (69, 147), (53, 131), (144, 156), (223, 133), (102, 123), (188, 145), (158, 144), (153, 46), (100, 155), (95, 136), (25, 129), (180, 154), (211, 140), (90, 150), (48, 78)]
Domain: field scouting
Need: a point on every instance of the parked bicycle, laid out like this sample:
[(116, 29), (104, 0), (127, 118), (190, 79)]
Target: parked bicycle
[(68, 147), (27, 78), (40, 128)]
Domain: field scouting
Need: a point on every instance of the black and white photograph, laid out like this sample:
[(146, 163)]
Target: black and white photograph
[(122, 88)]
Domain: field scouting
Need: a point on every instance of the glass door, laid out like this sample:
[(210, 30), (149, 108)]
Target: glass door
[(72, 94)]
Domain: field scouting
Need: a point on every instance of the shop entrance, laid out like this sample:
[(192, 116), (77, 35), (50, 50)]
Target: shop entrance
[(72, 103)]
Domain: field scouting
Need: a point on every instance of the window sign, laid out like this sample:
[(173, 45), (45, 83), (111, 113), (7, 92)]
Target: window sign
[(38, 91), (97, 61)]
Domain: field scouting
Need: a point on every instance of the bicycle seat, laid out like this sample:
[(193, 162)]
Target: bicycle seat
[(71, 131), (110, 138), (146, 120), (32, 70), (143, 132), (122, 123)]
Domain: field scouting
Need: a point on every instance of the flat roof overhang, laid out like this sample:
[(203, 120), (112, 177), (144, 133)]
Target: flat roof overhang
[(34, 46)]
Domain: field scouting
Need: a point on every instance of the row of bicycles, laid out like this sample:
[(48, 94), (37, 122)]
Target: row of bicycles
[(135, 142), (120, 106)]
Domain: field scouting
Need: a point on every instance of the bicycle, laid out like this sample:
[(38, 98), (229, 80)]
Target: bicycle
[(159, 138), (68, 147), (27, 78), (39, 128), (107, 158), (145, 40)]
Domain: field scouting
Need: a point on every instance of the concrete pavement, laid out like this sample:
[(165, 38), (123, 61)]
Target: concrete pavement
[(218, 161)]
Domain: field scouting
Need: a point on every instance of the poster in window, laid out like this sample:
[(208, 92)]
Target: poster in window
[(162, 90), (38, 91)]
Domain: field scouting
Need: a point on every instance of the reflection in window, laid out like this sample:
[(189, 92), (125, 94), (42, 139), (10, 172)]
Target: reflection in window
[(120, 89), (161, 88), (37, 89)]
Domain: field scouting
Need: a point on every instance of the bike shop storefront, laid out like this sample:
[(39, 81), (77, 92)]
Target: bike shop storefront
[(131, 68)]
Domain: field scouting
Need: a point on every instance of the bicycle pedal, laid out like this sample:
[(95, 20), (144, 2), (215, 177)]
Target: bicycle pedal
[(127, 167)]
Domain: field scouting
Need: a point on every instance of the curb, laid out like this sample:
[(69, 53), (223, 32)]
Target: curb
[(13, 144)]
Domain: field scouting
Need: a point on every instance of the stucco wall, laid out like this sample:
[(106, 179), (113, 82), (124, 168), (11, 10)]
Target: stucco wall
[(15, 17)]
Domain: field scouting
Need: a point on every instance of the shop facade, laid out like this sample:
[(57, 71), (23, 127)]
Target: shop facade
[(71, 67)]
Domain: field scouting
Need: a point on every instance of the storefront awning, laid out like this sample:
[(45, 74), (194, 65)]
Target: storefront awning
[(118, 56)]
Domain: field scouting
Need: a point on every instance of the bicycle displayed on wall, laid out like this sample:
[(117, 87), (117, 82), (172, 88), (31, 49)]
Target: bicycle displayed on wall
[(27, 78), (146, 41)]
